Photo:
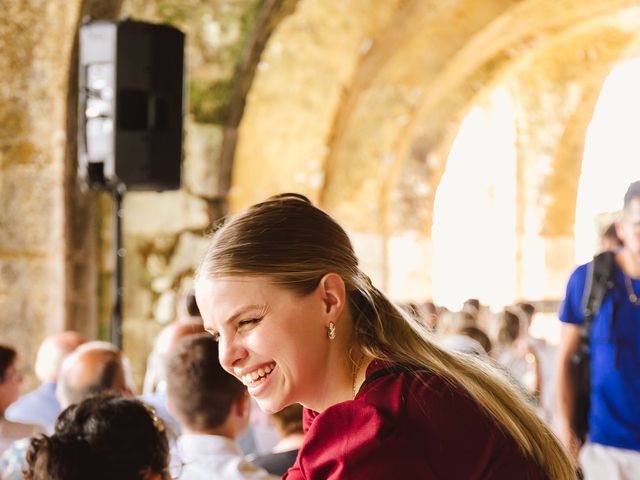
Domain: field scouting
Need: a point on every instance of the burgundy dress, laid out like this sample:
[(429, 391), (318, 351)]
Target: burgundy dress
[(408, 425)]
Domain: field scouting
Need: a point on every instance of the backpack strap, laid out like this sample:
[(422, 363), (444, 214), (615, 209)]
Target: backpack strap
[(599, 280)]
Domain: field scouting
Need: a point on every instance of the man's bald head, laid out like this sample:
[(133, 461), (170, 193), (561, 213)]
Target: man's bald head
[(52, 353), (93, 368)]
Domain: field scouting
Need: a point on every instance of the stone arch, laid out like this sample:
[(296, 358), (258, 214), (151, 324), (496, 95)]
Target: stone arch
[(373, 137)]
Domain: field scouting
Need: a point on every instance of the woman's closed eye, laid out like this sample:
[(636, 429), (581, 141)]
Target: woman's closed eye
[(243, 324)]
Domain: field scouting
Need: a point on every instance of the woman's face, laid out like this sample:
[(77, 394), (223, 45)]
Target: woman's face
[(10, 388), (272, 339)]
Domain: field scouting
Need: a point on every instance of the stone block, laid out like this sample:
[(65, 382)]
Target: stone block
[(148, 214), (188, 254), (202, 160), (23, 274), (165, 308), (32, 211)]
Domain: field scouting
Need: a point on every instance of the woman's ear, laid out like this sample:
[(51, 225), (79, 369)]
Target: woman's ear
[(332, 291)]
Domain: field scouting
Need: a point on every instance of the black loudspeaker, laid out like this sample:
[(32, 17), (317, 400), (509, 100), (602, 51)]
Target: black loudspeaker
[(130, 105)]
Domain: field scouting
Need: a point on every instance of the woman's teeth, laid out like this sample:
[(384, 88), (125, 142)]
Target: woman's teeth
[(257, 375)]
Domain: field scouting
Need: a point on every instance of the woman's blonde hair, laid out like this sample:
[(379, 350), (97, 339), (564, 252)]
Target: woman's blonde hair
[(295, 244)]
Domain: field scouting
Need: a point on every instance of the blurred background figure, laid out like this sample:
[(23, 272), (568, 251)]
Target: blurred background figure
[(187, 309), (452, 323), (165, 344), (154, 391), (93, 368), (515, 353), (459, 331), (288, 422), (471, 306), (479, 335), (428, 313), (213, 408), (40, 406), (104, 437), (545, 354), (188, 321), (10, 379)]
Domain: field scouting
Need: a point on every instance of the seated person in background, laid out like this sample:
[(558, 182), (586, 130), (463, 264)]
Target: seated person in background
[(545, 355), (41, 406), (453, 322), (479, 336), (10, 379), (104, 437), (212, 407), (429, 315), (472, 306), (188, 321), (93, 368), (516, 354), (460, 333), (165, 343), (288, 422)]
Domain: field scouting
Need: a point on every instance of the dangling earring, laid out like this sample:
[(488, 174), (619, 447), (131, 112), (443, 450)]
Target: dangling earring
[(332, 331)]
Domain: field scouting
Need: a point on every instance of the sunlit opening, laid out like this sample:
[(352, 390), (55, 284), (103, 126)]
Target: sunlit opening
[(611, 156), (475, 210)]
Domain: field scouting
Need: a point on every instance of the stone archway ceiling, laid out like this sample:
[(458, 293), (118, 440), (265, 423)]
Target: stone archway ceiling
[(308, 64), (390, 84), (555, 85), (556, 89), (410, 93)]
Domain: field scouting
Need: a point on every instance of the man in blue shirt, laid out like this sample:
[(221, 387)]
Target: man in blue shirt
[(612, 451), (41, 406)]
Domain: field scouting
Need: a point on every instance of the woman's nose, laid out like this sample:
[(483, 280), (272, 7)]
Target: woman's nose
[(231, 353)]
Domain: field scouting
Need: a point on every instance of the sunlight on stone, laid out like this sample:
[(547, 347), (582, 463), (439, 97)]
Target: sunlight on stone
[(474, 241), (611, 155)]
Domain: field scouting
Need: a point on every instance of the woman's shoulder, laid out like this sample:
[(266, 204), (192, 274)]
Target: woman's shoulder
[(345, 416), (418, 419), (393, 388), (394, 397)]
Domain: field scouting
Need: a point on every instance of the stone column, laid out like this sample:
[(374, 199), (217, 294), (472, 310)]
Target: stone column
[(36, 40)]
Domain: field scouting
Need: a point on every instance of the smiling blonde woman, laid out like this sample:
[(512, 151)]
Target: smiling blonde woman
[(299, 322)]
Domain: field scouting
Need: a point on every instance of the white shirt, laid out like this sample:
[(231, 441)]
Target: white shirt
[(212, 457)]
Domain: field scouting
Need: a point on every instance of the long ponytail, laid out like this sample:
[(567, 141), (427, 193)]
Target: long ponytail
[(386, 332)]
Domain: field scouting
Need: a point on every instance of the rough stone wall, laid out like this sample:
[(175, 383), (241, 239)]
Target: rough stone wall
[(36, 39)]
